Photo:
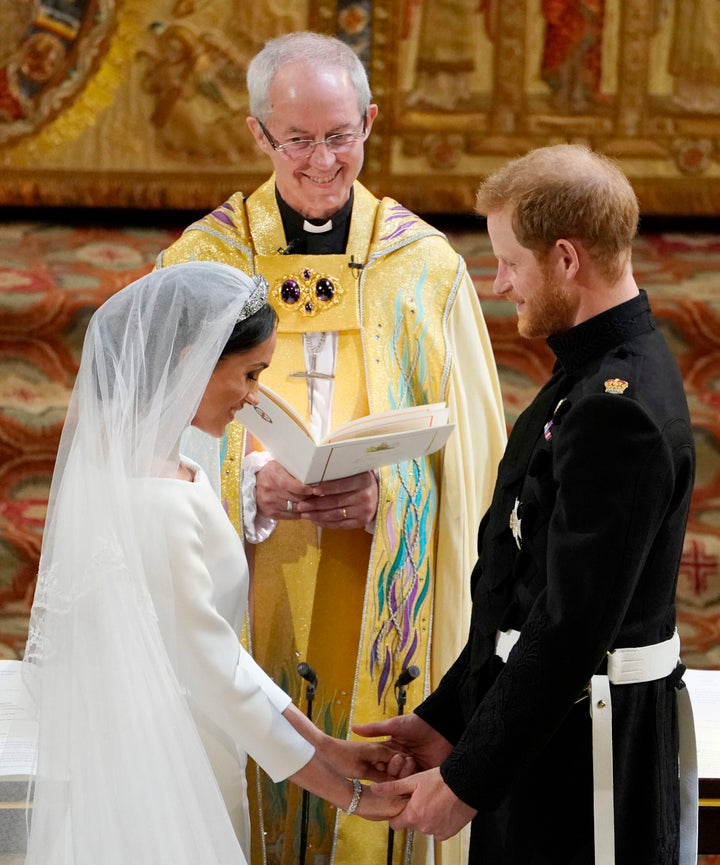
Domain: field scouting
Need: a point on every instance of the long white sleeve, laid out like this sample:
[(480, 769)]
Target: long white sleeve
[(206, 596)]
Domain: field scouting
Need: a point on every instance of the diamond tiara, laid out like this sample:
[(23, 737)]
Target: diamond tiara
[(257, 299)]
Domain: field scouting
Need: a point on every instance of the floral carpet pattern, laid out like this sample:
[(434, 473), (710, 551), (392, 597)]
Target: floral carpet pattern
[(53, 276)]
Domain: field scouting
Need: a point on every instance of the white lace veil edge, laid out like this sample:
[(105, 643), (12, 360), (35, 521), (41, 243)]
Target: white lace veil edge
[(122, 775)]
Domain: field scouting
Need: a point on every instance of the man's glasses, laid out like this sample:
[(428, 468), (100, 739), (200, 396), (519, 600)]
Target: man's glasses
[(298, 147)]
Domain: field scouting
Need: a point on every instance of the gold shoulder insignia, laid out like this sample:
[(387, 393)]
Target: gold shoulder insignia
[(615, 385)]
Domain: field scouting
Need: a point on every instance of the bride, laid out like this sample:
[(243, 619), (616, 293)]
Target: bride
[(147, 701)]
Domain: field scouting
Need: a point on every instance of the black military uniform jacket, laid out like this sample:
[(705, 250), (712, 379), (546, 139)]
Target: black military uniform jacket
[(596, 483)]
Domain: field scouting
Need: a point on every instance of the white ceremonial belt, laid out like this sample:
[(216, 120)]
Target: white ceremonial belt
[(644, 664), (627, 667)]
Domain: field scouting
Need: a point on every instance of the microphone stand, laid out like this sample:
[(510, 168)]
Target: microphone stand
[(403, 680), (307, 673)]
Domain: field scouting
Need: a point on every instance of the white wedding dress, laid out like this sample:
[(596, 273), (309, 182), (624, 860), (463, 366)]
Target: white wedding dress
[(236, 706)]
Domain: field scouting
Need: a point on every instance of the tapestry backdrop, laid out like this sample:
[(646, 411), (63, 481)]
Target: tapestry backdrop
[(142, 102)]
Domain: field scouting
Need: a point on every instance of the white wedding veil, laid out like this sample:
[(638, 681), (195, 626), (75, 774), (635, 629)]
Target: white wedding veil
[(122, 777)]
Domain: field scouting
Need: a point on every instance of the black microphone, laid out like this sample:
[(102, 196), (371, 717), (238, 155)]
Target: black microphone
[(306, 672), (291, 248), (407, 675)]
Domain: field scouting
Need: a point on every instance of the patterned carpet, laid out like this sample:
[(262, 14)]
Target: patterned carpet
[(52, 277)]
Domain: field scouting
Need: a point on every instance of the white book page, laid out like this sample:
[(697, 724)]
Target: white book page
[(704, 688), (384, 423)]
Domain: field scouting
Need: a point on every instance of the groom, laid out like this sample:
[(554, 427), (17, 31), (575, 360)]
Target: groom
[(562, 707)]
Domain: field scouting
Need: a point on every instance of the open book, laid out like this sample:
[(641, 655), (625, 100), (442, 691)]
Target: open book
[(362, 444)]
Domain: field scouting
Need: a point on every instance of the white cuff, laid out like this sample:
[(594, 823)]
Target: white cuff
[(256, 528)]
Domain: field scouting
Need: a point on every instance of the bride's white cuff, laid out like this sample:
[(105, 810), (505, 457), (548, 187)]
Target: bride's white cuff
[(255, 527)]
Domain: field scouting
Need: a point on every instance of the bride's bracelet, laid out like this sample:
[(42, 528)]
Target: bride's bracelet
[(355, 801)]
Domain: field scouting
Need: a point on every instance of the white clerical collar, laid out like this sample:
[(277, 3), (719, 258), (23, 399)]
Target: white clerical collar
[(317, 229)]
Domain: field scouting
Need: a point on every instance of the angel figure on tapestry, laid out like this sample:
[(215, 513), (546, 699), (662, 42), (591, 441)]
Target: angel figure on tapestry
[(197, 81)]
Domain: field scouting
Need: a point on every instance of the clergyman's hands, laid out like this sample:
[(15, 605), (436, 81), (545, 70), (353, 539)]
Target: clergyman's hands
[(432, 808), (408, 734), (345, 503), (274, 488)]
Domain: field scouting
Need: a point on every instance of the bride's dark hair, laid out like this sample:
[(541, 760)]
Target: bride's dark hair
[(251, 332)]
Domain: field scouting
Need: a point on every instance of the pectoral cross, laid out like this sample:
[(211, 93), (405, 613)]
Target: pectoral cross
[(312, 373)]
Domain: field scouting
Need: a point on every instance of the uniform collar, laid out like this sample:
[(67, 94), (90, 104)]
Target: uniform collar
[(600, 334)]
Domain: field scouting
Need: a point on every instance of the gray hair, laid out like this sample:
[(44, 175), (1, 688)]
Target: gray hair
[(303, 47)]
